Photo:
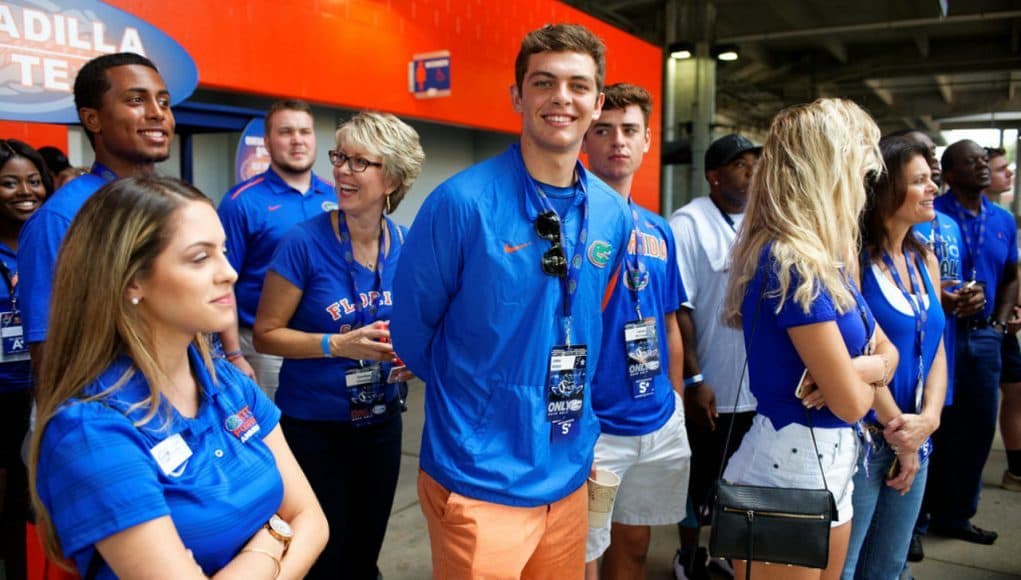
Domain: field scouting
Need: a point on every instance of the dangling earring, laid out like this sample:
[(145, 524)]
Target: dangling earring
[(388, 203), (135, 300)]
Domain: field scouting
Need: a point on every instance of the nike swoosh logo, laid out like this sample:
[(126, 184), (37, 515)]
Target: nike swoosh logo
[(274, 207), (511, 249)]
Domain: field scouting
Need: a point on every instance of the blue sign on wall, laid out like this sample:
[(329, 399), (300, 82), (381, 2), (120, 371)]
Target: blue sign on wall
[(251, 158), (43, 45), (429, 74)]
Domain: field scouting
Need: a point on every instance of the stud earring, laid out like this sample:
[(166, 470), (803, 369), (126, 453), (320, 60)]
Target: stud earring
[(135, 300)]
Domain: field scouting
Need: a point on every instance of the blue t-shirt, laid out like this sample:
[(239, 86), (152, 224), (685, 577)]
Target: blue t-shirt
[(256, 214), (895, 317), (946, 244), (774, 366), (993, 237), (310, 257), (39, 244), (15, 369), (98, 472), (624, 408)]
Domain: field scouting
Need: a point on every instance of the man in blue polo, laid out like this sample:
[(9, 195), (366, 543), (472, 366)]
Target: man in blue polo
[(635, 387), (497, 308), (989, 261), (259, 211), (124, 108)]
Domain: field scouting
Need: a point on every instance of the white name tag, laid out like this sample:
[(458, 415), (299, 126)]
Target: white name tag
[(171, 455)]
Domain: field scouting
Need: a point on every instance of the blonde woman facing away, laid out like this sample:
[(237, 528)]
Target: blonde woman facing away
[(150, 459), (793, 291)]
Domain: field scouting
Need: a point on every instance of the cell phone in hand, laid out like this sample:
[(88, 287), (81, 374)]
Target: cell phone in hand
[(894, 468), (799, 389)]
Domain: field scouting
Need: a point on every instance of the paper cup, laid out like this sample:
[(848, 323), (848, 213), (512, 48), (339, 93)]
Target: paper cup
[(602, 488)]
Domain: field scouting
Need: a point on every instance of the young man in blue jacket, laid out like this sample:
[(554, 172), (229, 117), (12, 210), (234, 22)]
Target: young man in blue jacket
[(497, 308), (635, 390)]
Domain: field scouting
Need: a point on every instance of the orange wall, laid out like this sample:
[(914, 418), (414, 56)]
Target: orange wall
[(35, 134), (355, 53)]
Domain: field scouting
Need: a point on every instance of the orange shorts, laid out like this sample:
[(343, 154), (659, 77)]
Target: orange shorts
[(477, 539)]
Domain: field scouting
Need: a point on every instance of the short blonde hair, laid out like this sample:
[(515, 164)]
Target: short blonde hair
[(806, 197), (394, 140)]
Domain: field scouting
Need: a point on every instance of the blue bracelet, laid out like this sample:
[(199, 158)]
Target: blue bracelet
[(325, 345), (694, 380)]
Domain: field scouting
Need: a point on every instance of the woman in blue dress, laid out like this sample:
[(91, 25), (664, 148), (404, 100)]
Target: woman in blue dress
[(149, 458), (325, 308), (24, 185), (900, 282), (793, 291)]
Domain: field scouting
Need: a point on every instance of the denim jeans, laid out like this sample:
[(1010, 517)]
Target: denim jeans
[(961, 445), (883, 520)]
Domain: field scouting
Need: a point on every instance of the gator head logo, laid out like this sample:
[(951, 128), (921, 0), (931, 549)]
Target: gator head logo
[(599, 253), (329, 206)]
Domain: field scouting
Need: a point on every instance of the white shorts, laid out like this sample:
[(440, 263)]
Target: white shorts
[(266, 366), (785, 458), (654, 472)]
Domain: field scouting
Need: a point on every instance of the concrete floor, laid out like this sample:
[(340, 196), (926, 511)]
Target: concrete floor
[(406, 556)]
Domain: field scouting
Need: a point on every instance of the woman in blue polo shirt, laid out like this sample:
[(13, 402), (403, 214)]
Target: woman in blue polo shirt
[(24, 184), (325, 308), (793, 291), (149, 455), (901, 284)]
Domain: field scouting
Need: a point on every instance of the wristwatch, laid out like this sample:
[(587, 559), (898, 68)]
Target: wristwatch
[(281, 530)]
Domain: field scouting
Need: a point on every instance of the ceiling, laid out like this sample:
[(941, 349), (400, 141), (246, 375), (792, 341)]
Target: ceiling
[(904, 61)]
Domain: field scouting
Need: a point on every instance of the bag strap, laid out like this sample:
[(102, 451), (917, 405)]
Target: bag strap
[(737, 396)]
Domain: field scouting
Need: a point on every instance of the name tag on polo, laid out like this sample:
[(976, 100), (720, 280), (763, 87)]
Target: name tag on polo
[(171, 455)]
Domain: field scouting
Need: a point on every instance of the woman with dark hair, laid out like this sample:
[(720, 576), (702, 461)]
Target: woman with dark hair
[(150, 459), (901, 284), (24, 185)]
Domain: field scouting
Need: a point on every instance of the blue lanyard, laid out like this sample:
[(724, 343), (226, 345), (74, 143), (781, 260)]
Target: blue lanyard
[(914, 298), (974, 248), (726, 216), (637, 273), (11, 283), (568, 285), (102, 171), (347, 250), (937, 244)]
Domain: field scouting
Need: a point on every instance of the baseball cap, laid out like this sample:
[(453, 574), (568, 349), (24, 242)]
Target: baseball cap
[(726, 149)]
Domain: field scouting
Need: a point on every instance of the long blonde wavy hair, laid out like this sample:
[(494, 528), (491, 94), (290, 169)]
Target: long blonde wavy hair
[(113, 241), (806, 197)]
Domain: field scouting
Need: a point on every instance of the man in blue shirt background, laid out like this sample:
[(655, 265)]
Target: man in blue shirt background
[(124, 108), (635, 389), (497, 308), (259, 211), (989, 262)]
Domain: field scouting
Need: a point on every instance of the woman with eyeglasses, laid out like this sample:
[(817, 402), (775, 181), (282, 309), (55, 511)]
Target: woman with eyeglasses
[(901, 284), (325, 308), (806, 326), (24, 185)]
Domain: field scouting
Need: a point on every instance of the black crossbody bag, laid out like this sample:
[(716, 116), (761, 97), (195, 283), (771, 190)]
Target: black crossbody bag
[(771, 524)]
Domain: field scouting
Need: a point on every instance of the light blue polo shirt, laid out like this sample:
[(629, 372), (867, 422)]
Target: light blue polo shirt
[(256, 214), (98, 472)]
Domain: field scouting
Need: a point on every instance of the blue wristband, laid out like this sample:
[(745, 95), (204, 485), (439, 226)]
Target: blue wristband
[(694, 380), (325, 345)]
